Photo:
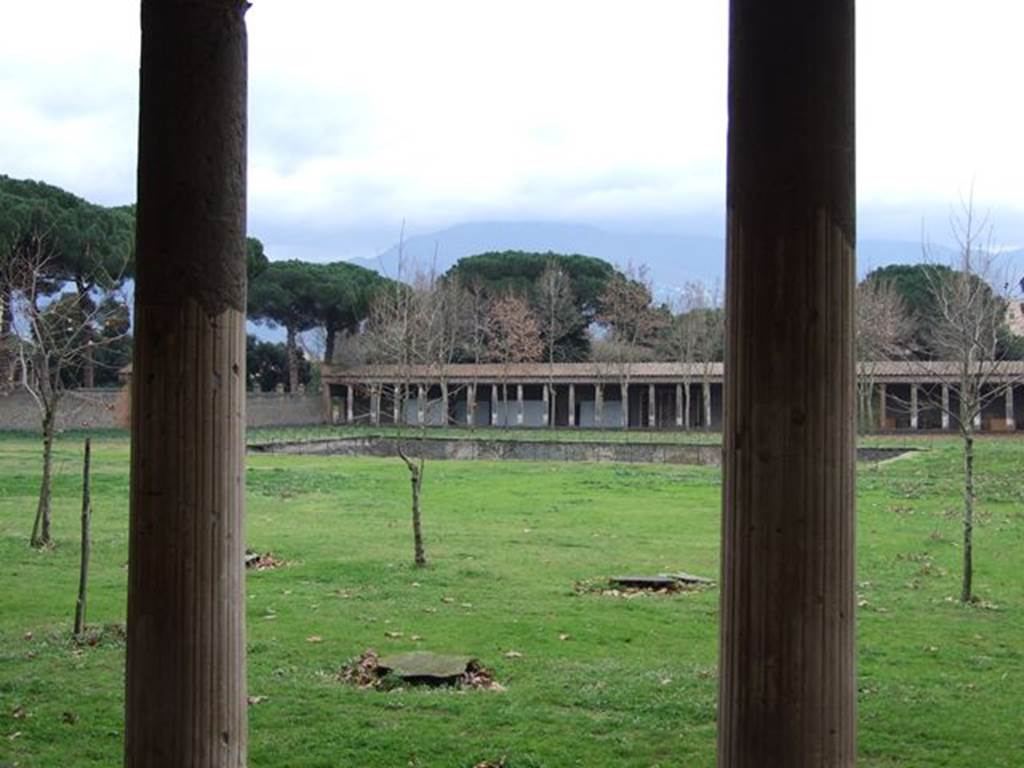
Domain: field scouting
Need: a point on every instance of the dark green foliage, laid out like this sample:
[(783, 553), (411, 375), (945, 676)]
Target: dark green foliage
[(256, 260), (266, 364), (518, 272), (916, 284)]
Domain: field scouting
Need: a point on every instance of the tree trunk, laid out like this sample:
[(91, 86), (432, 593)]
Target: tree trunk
[(41, 526), (966, 593), (416, 478), (88, 363), (293, 361), (329, 343), (83, 572), (415, 467)]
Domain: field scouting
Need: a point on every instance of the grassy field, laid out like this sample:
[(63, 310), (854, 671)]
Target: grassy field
[(633, 682)]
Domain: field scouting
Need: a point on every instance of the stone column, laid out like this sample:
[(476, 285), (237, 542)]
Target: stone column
[(519, 404), (185, 697), (325, 401), (572, 405), (1011, 422), (977, 419), (883, 401), (679, 405), (375, 405), (652, 415), (396, 404), (421, 396), (706, 393), (444, 403), (470, 404), (350, 396), (494, 405), (598, 404), (787, 693), (546, 419), (913, 406), (945, 406)]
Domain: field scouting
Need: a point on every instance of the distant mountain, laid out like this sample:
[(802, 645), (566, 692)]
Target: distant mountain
[(672, 259)]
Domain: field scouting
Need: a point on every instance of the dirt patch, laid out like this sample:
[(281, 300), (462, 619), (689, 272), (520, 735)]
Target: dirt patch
[(638, 586), (419, 668), (262, 561)]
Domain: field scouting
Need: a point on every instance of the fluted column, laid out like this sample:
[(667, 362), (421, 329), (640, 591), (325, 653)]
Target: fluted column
[(786, 688), (185, 698)]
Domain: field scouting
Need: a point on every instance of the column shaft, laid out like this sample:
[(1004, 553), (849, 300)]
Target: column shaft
[(1011, 423), (598, 404), (787, 693), (572, 405), (913, 406), (185, 699), (350, 396), (652, 416), (519, 404)]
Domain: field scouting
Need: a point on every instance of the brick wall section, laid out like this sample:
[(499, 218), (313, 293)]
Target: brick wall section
[(111, 409), (80, 409), (270, 409)]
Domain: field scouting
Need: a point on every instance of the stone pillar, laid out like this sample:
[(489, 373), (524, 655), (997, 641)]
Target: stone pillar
[(494, 406), (1011, 422), (977, 419), (185, 697), (706, 393), (913, 406), (546, 418), (679, 405), (787, 692), (945, 406), (598, 404), (421, 396), (883, 401), (572, 405), (375, 405), (397, 417), (470, 404), (624, 406), (519, 404), (652, 408), (350, 396), (444, 404), (325, 401)]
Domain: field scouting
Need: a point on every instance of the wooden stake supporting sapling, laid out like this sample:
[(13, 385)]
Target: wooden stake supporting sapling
[(83, 573)]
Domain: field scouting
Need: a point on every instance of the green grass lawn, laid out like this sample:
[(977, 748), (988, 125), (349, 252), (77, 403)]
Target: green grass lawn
[(633, 684)]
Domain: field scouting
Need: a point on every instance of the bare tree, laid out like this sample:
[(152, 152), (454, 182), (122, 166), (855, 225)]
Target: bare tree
[(558, 316), (513, 336), (884, 331), (965, 331), (695, 337), (632, 325), (53, 336)]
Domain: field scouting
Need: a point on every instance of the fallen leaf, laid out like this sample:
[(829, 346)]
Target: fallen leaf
[(254, 700), (564, 636), (18, 713), (447, 599), (15, 735), (314, 639), (415, 638), (28, 635), (392, 634), (513, 655)]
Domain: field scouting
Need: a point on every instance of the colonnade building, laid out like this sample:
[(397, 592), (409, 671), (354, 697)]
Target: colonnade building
[(895, 395)]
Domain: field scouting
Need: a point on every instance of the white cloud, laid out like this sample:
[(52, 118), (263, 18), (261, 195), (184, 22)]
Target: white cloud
[(366, 113)]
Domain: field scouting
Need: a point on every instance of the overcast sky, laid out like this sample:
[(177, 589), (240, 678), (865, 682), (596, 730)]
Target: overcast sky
[(365, 114)]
